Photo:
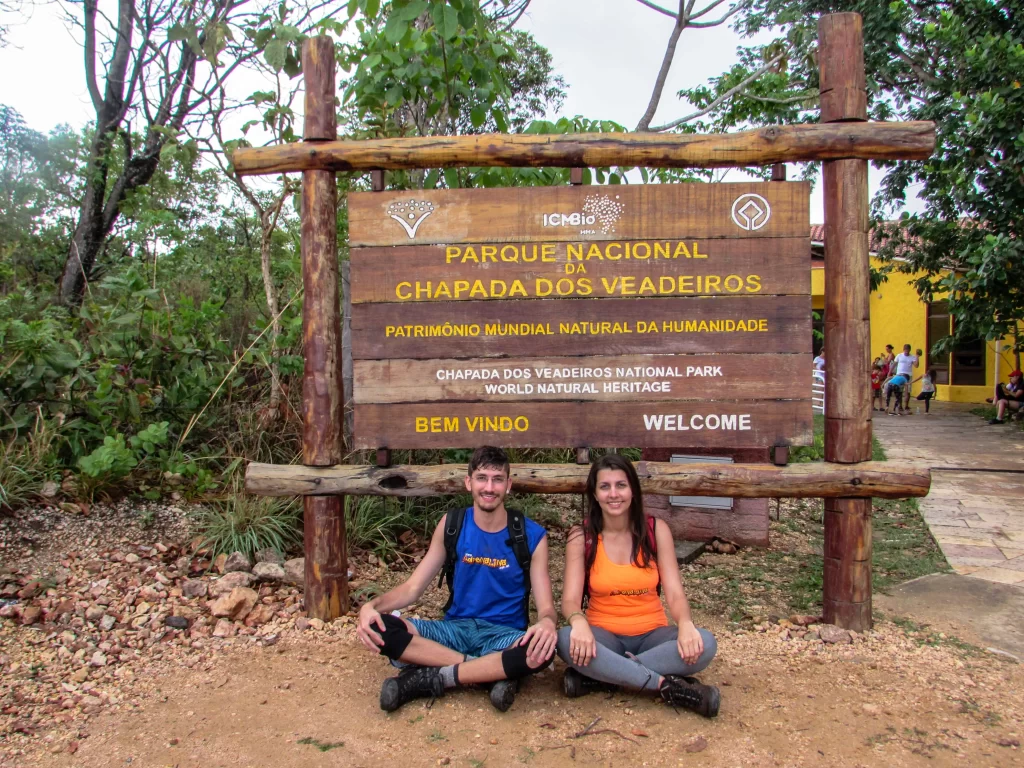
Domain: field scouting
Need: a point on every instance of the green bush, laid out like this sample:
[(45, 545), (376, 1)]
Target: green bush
[(245, 523)]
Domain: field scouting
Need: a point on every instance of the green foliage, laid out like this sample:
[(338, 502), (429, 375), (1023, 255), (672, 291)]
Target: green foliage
[(959, 63), (247, 524)]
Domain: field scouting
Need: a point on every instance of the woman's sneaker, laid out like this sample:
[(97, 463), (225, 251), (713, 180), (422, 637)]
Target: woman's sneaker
[(413, 682), (575, 685), (503, 694), (690, 693)]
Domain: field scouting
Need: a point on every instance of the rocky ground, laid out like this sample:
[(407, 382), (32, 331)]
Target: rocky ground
[(119, 645)]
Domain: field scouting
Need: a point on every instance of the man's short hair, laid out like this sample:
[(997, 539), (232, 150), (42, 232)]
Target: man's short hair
[(488, 456), (906, 347)]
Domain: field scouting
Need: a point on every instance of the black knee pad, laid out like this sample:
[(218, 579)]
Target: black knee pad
[(513, 661), (396, 636)]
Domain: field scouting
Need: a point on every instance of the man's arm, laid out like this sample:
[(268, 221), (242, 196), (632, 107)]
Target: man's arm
[(407, 593), (542, 635)]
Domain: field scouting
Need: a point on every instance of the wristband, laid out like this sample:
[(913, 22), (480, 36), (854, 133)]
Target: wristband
[(568, 619)]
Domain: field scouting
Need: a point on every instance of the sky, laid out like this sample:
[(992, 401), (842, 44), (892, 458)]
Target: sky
[(608, 51)]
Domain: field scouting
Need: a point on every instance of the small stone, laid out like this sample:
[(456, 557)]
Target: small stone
[(268, 572), (224, 628), (49, 489), (870, 709), (131, 557), (235, 605), (107, 622), (302, 624), (259, 615), (176, 622), (269, 555), (98, 659), (316, 624), (80, 675), (237, 561), (30, 614), (94, 613), (193, 588), (295, 571), (230, 581), (218, 562), (833, 634)]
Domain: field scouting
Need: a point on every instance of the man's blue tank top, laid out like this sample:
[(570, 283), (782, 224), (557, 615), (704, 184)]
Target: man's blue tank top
[(489, 584)]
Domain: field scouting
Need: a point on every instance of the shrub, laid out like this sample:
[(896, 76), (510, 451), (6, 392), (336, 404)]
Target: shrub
[(246, 523)]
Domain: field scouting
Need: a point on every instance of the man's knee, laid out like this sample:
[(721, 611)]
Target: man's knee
[(396, 636), (515, 663)]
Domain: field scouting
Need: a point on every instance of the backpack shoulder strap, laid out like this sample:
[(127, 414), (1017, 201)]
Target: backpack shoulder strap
[(521, 548), (453, 521), (588, 548), (652, 523)]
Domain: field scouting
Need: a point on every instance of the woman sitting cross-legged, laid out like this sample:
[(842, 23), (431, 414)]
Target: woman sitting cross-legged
[(620, 560)]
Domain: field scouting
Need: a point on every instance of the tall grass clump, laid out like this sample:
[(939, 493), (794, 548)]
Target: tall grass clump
[(246, 523)]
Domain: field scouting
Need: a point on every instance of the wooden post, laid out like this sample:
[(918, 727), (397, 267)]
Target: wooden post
[(847, 577), (323, 397)]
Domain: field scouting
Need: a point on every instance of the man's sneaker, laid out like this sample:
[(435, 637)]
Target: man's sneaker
[(503, 694), (690, 693), (413, 682), (575, 684), (995, 421)]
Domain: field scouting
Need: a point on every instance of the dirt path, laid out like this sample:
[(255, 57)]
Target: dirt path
[(310, 700)]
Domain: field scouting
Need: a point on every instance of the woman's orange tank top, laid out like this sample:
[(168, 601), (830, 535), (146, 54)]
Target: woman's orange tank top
[(624, 598)]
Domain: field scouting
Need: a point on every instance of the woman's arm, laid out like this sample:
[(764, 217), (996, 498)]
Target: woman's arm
[(572, 585), (690, 643)]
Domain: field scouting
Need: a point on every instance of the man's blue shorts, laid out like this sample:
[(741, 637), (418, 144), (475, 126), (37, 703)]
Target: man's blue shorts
[(472, 637)]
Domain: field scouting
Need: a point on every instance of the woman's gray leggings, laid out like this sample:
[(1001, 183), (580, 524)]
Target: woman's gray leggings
[(654, 653)]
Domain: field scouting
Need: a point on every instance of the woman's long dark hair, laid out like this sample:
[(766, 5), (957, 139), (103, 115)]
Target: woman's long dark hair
[(641, 554)]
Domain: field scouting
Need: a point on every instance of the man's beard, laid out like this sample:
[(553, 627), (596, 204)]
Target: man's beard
[(492, 506)]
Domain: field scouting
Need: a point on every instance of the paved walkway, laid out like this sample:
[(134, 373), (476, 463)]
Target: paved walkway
[(975, 508)]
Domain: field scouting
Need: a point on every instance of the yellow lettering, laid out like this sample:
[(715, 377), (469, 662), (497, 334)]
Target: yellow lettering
[(681, 249), (442, 290), (547, 252), (478, 289), (488, 252), (517, 289), (698, 255), (470, 254), (398, 291), (712, 283), (627, 286), (661, 251), (618, 251), (451, 253), (498, 289), (574, 251), (595, 250), (544, 286), (583, 286), (646, 251), (753, 283), (647, 286), (451, 423), (421, 423)]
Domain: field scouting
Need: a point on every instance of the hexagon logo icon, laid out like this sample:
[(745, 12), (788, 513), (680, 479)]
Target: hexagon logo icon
[(750, 212)]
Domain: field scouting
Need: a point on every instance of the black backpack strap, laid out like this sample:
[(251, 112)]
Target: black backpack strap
[(521, 548), (453, 520), (588, 547), (652, 523)]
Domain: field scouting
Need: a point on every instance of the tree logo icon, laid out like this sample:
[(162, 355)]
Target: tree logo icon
[(410, 214), (751, 212)]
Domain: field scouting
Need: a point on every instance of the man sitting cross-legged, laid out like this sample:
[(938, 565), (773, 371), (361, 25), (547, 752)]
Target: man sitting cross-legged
[(499, 557)]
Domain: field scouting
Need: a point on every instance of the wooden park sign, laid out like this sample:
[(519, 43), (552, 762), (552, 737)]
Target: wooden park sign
[(653, 315), (630, 315)]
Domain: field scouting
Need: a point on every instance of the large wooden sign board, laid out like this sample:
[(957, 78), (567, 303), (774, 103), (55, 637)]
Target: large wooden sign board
[(652, 316)]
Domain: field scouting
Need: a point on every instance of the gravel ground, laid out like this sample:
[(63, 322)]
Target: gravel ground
[(110, 650)]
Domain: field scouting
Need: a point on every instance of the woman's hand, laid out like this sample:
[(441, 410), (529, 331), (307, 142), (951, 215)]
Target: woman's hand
[(690, 643), (582, 645)]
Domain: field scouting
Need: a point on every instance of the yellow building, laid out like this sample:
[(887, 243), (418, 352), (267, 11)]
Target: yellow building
[(899, 316)]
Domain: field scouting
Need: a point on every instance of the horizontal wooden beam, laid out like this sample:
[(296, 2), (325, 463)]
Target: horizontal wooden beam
[(888, 480), (761, 146)]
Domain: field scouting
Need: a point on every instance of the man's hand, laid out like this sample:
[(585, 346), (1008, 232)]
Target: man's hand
[(691, 644), (369, 622), (541, 637)]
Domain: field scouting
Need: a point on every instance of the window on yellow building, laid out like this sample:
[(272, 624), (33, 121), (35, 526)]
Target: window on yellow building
[(966, 365)]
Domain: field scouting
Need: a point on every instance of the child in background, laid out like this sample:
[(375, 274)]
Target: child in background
[(927, 390), (877, 376), (894, 388)]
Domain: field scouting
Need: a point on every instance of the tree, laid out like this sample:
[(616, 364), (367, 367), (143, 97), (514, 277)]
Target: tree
[(166, 62), (959, 63)]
